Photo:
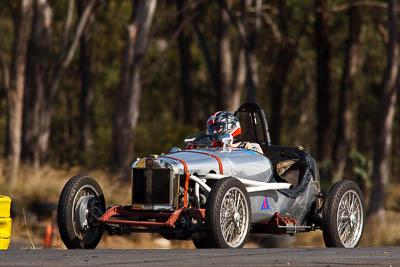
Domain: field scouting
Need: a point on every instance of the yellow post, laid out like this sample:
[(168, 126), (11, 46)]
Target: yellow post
[(5, 222)]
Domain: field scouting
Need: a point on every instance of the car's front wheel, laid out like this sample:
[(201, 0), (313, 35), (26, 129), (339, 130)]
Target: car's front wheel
[(228, 214), (81, 203), (201, 241), (343, 215)]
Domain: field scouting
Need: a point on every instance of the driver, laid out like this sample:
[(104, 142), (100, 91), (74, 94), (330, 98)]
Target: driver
[(223, 124)]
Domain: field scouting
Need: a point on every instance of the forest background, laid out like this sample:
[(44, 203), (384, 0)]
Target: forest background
[(94, 84)]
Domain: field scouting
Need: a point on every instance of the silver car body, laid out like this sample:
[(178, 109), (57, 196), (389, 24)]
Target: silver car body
[(253, 169)]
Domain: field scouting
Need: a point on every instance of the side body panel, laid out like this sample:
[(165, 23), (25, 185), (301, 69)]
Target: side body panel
[(266, 204), (234, 162), (296, 203)]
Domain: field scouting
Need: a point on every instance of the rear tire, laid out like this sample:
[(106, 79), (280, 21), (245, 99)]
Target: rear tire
[(228, 214), (344, 215), (81, 202)]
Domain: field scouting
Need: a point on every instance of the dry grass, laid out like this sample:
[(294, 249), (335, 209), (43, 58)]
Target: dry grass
[(45, 185)]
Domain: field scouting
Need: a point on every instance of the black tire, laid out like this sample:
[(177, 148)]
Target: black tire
[(343, 215), (80, 198), (201, 241), (239, 220)]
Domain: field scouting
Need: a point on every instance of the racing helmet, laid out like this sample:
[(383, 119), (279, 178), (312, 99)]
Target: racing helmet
[(223, 123)]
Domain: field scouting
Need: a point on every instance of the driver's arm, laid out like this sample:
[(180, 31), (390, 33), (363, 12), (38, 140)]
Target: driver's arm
[(249, 146)]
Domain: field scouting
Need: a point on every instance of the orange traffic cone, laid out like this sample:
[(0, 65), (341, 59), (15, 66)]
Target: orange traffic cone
[(48, 235)]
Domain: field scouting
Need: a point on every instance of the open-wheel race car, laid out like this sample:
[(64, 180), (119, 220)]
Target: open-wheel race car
[(217, 195)]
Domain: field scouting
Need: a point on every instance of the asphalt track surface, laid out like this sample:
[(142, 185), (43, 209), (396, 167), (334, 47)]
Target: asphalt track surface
[(382, 256)]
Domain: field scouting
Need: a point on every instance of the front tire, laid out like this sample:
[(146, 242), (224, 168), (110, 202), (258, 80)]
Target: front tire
[(228, 214), (81, 202), (201, 241), (344, 215)]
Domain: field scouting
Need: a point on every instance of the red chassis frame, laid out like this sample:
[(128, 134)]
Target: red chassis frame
[(277, 224), (170, 216)]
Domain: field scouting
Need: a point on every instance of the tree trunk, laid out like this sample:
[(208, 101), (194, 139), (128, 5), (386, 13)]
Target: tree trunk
[(224, 59), (344, 123), (5, 85), (87, 90), (126, 109), (227, 73), (279, 74), (252, 75), (5, 73), (15, 94), (37, 78), (383, 139), (251, 59), (323, 49), (186, 94), (238, 78), (247, 37), (45, 77), (205, 49)]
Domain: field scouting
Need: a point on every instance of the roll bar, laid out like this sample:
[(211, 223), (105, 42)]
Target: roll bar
[(253, 109)]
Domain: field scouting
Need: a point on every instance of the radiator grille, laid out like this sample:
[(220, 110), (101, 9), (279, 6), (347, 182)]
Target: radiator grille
[(152, 186)]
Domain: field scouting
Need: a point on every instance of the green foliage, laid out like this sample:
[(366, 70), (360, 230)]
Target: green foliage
[(160, 125), (361, 166), (159, 138), (325, 174), (358, 168)]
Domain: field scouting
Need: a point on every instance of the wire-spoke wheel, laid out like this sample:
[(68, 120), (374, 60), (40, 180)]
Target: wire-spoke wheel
[(81, 203), (228, 215), (344, 215)]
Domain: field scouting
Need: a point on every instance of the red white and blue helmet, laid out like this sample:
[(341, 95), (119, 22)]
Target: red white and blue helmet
[(222, 123)]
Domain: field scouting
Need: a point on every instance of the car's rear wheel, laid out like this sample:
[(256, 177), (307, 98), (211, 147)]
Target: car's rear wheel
[(228, 214), (81, 202), (344, 215)]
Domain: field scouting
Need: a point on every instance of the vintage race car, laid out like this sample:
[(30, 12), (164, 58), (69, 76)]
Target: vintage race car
[(216, 196)]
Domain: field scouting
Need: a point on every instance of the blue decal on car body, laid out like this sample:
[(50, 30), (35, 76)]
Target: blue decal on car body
[(265, 204)]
